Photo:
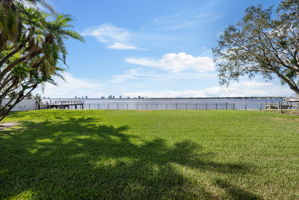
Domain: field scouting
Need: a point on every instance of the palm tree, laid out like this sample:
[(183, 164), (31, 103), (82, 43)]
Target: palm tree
[(31, 53), (12, 14)]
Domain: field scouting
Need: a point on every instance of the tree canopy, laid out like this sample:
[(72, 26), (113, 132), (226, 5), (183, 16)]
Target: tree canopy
[(31, 48), (264, 43)]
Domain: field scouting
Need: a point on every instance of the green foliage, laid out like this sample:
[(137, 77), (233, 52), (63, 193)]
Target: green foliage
[(93, 154), (262, 43), (32, 48)]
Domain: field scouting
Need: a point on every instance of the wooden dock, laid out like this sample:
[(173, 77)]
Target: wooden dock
[(292, 99), (289, 103), (279, 106), (65, 105)]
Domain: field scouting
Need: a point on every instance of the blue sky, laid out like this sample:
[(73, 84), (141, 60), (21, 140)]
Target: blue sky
[(153, 48)]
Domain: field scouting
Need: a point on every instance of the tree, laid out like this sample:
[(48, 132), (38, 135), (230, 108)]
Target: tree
[(31, 49), (264, 43), (38, 100)]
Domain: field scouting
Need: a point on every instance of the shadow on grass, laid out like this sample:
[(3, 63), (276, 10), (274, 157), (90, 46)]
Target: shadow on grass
[(79, 158), (235, 192)]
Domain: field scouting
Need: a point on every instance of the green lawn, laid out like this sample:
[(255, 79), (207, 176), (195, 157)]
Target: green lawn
[(96, 154)]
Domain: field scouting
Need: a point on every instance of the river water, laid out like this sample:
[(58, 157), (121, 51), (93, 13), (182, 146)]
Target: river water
[(173, 103)]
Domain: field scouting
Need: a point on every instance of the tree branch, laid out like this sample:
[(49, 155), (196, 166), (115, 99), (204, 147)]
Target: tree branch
[(13, 52), (10, 66), (275, 52)]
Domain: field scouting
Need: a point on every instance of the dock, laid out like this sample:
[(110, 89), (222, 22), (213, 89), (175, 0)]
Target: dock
[(289, 103), (65, 105), (292, 99), (279, 106)]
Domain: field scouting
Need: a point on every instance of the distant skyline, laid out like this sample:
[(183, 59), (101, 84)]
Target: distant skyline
[(152, 48)]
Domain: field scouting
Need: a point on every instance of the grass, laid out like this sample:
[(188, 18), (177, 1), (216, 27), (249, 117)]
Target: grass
[(92, 154)]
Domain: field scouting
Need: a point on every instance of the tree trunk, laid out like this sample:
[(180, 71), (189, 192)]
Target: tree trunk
[(21, 96)]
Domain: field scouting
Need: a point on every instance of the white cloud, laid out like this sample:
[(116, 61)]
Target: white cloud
[(176, 62), (128, 75), (120, 46), (242, 89), (143, 61), (113, 36), (145, 75), (74, 86), (71, 87)]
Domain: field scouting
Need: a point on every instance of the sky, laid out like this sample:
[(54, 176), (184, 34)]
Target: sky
[(152, 48)]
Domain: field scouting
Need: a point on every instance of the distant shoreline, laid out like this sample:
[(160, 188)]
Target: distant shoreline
[(166, 98)]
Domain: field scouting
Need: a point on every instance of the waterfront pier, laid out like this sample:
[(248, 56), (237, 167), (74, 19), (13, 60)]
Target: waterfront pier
[(65, 105)]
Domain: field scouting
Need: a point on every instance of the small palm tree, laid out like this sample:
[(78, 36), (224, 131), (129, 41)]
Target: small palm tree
[(38, 100)]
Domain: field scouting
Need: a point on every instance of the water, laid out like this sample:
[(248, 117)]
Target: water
[(173, 103)]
